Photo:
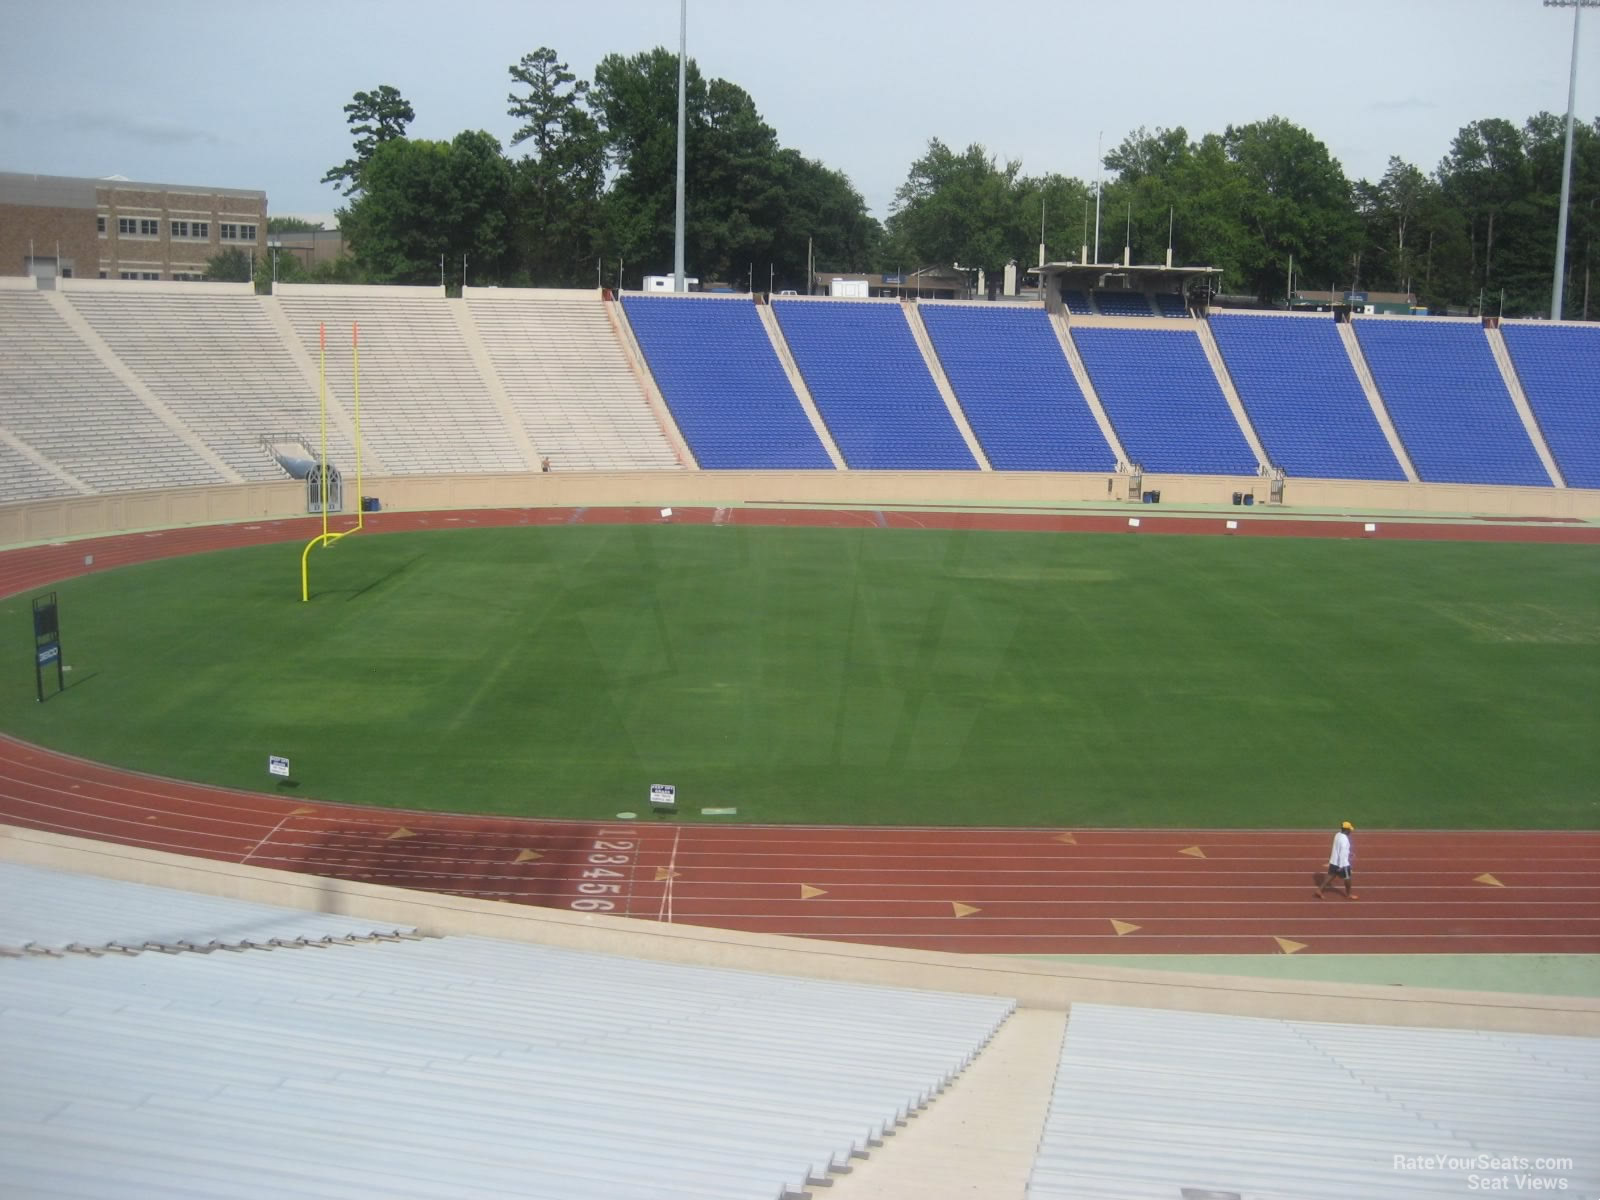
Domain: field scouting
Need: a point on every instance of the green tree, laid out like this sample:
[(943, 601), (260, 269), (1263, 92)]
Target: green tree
[(1486, 176), (1062, 204), (375, 118), (958, 208), (822, 211), (1393, 213), (558, 182), (230, 266), (423, 199), (1295, 200), (1544, 143), (292, 225), (635, 100), (751, 203)]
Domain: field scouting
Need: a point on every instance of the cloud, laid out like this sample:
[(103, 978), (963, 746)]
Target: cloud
[(1409, 104), (149, 133)]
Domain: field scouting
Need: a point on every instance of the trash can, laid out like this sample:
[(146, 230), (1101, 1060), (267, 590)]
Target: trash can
[(1238, 498), (371, 504), (1249, 499), (1148, 498), (1155, 496)]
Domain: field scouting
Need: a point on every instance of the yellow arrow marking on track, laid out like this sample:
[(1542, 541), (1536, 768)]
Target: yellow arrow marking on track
[(1067, 839), (1289, 947), (1488, 879), (963, 910), (1193, 852), (807, 892), (663, 875), (1124, 928), (302, 811), (526, 856), (402, 832)]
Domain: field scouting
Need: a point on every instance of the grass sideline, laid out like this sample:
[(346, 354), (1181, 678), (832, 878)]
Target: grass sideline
[(854, 676)]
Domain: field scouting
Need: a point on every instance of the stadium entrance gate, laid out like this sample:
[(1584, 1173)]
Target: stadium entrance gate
[(314, 488)]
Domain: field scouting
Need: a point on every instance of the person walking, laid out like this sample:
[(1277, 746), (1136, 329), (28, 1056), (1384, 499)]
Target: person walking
[(1339, 862)]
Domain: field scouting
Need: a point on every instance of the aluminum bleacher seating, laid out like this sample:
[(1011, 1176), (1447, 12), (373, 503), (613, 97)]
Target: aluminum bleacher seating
[(1448, 402), (1301, 391), (1164, 401), (445, 1067), (60, 399), (219, 364), (1016, 388), (55, 909), (1559, 366), (22, 479), (728, 392), (871, 385), (425, 409), (570, 381), (1124, 1122)]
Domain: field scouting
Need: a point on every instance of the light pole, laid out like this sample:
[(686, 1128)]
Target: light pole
[(1577, 7), (274, 245), (677, 231)]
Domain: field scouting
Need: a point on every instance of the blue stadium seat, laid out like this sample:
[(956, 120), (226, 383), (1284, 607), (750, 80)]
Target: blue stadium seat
[(727, 391), (1447, 401), (1016, 388), (1077, 301), (872, 386), (1300, 389), (1559, 367), (1120, 303), (1170, 304), (1164, 400)]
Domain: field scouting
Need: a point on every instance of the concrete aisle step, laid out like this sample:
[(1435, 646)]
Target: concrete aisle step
[(978, 1140)]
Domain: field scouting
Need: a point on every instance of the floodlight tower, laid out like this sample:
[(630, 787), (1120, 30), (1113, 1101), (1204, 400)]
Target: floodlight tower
[(1577, 7), (677, 231)]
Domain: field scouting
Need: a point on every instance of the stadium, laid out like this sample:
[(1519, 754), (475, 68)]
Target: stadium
[(940, 466), (1128, 730)]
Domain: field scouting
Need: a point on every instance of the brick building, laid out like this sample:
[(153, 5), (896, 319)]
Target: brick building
[(54, 225)]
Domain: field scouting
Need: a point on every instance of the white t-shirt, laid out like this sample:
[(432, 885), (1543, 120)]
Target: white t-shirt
[(1339, 856)]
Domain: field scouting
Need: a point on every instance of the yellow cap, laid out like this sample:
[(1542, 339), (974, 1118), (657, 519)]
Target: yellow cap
[(1348, 826)]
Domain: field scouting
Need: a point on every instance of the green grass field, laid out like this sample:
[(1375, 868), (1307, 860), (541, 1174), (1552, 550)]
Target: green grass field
[(863, 676)]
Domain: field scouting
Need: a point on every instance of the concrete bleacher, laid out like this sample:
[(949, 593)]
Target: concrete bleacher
[(1298, 385), (728, 392), (569, 380), (1163, 399), (60, 399), (1559, 369), (1156, 1103), (1448, 402), (217, 363), (1120, 302), (1016, 388), (444, 1067), (862, 366), (425, 409)]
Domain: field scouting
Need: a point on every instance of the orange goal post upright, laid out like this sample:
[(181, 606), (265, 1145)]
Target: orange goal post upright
[(327, 538)]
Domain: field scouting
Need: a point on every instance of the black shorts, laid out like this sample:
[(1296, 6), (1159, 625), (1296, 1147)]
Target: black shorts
[(1339, 872)]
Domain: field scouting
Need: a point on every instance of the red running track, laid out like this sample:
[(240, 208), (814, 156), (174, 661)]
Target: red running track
[(1033, 891)]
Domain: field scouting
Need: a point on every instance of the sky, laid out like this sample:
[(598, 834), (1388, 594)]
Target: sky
[(253, 96)]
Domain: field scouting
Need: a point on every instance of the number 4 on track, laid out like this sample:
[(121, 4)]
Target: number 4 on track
[(601, 873)]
